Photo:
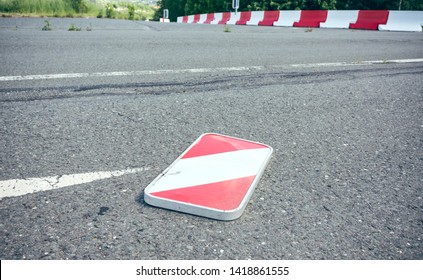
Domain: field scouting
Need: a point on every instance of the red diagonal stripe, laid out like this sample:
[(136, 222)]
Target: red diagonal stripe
[(224, 195), (214, 144)]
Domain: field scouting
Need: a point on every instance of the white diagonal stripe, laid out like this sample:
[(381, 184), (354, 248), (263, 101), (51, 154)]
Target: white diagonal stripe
[(210, 169)]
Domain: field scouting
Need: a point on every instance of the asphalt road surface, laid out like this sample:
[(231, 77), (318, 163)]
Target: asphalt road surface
[(344, 182)]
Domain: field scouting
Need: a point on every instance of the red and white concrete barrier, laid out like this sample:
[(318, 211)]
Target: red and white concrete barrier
[(370, 19), (287, 18), (403, 21), (311, 18), (217, 18), (196, 18), (352, 19), (225, 18), (340, 19), (270, 17), (255, 18), (234, 18), (244, 18), (183, 19), (209, 18), (190, 19)]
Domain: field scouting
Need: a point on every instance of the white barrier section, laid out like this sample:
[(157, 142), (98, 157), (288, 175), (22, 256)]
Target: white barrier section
[(217, 18), (234, 18), (190, 19), (340, 19), (179, 20), (287, 18), (403, 21), (202, 19), (256, 17)]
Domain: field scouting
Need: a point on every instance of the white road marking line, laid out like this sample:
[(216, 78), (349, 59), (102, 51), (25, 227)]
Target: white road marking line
[(369, 62), (198, 70), (18, 187), (127, 73)]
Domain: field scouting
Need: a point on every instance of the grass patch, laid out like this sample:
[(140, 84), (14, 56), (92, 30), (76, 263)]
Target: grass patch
[(47, 8), (226, 29), (76, 8), (124, 10)]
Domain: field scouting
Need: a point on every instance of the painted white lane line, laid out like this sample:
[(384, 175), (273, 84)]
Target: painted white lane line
[(199, 70), (127, 73), (18, 187), (369, 62)]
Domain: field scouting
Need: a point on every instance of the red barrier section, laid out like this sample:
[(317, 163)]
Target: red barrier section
[(196, 18), (225, 17), (245, 16), (210, 18), (370, 19), (269, 18), (311, 18), (184, 19)]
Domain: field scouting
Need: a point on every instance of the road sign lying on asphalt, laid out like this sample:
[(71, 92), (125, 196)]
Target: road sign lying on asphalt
[(215, 177)]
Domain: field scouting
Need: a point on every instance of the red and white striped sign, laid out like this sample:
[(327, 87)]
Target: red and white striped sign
[(215, 177)]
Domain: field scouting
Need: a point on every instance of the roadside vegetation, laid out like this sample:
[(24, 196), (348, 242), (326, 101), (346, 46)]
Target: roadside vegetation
[(76, 8)]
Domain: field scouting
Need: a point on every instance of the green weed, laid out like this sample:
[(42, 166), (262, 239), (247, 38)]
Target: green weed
[(47, 26), (73, 27), (131, 12)]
